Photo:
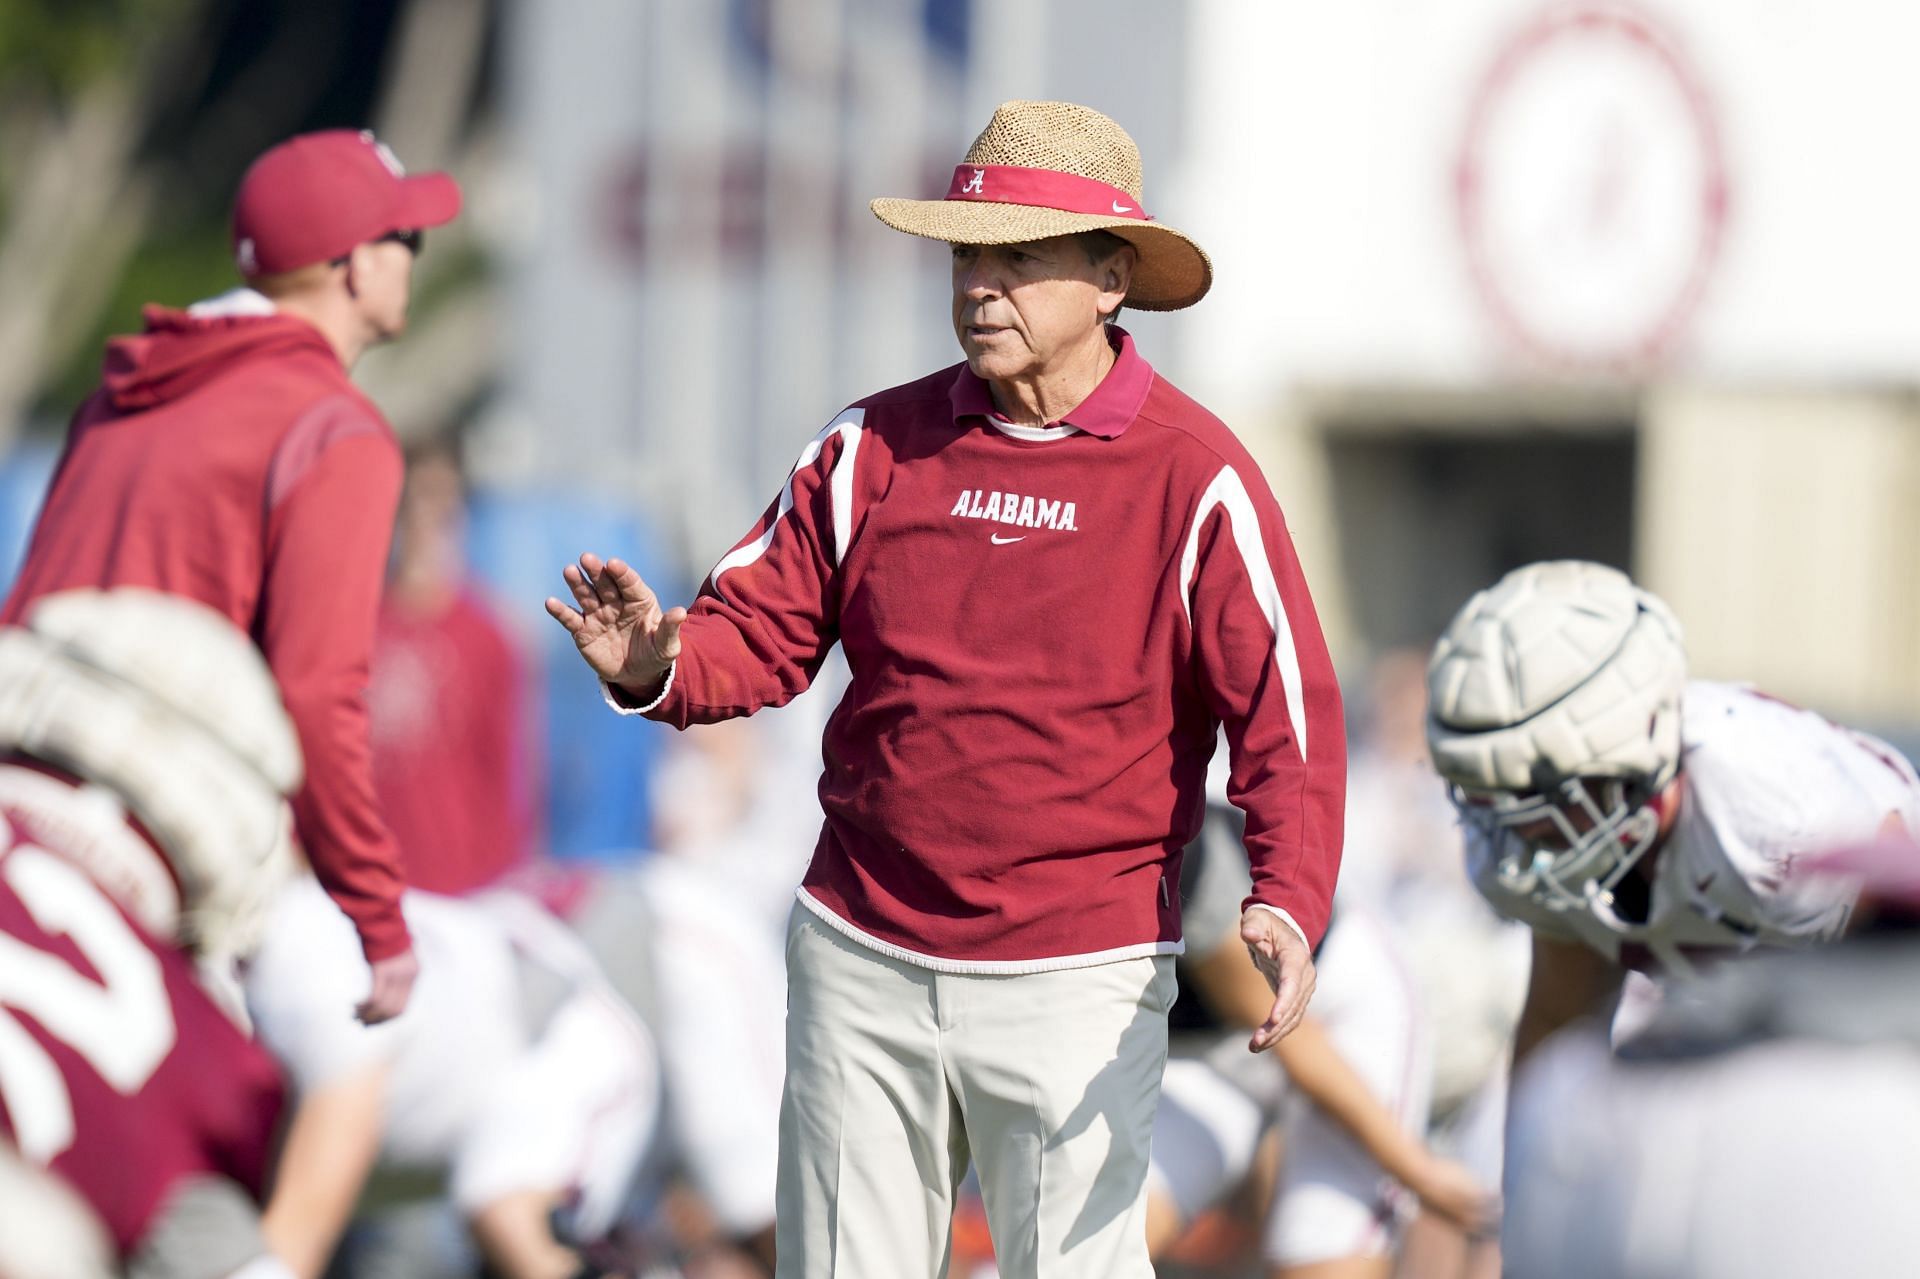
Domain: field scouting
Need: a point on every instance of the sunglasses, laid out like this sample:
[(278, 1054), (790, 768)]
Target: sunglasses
[(412, 241)]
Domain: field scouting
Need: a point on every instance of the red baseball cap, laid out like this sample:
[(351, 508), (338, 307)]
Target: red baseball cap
[(313, 197)]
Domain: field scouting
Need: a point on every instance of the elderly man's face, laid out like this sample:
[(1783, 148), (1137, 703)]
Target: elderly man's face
[(1018, 309)]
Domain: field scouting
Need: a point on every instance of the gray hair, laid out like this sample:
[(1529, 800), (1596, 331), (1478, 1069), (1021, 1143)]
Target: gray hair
[(1099, 246)]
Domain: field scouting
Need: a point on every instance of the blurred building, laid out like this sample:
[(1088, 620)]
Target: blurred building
[(1627, 282), (1497, 279)]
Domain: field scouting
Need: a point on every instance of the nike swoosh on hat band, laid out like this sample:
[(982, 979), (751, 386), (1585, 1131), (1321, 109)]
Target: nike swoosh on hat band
[(1043, 189)]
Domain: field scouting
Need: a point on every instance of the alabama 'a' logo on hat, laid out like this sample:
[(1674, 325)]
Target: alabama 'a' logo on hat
[(385, 152)]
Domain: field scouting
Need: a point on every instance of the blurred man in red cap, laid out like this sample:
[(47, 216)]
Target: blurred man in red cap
[(227, 457)]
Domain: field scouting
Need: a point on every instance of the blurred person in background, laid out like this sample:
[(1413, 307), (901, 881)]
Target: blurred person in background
[(1763, 1124), (1349, 1088), (1055, 577), (519, 1081), (689, 940), (227, 457), (519, 1076), (1404, 856), (1637, 821), (457, 774), (693, 935), (145, 761)]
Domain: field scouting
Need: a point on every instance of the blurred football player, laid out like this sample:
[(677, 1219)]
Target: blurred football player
[(1403, 854), (693, 935), (144, 762), (1762, 1125), (517, 1075), (1351, 1090), (1633, 818)]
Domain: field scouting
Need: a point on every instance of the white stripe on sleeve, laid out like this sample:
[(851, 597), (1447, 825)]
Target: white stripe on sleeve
[(847, 425), (1228, 493)]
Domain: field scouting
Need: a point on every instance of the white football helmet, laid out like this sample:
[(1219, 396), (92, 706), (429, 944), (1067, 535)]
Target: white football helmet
[(1554, 716), (168, 709)]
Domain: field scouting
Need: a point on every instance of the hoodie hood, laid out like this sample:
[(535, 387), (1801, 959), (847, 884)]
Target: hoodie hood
[(180, 351)]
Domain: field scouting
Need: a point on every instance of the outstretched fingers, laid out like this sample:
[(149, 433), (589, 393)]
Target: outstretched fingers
[(565, 614), (585, 596), (615, 620), (593, 572), (612, 582), (626, 584)]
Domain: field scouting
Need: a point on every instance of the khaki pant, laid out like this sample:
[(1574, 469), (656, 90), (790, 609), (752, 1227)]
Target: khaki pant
[(897, 1076)]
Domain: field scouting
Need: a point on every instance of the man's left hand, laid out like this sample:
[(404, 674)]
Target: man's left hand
[(1284, 960)]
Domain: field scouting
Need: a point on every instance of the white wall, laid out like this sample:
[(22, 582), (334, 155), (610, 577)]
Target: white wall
[(1320, 168)]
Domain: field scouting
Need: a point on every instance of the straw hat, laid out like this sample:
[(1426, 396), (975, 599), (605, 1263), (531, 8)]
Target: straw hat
[(1042, 169)]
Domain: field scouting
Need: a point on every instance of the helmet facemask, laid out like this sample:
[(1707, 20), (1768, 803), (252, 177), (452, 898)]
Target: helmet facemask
[(1568, 848), (1554, 715)]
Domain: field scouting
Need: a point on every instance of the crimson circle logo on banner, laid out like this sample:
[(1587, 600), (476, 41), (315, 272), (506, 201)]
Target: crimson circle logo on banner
[(1591, 189)]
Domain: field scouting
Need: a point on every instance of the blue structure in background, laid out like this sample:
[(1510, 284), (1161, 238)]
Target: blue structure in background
[(598, 805), (23, 482)]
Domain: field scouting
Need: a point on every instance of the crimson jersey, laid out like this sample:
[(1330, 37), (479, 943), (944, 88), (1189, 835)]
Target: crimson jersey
[(117, 1071), (455, 773)]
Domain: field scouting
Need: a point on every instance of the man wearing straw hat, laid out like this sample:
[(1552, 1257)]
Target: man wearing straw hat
[(1054, 577)]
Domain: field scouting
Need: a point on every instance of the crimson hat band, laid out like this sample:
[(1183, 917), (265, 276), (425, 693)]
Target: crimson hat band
[(1043, 189)]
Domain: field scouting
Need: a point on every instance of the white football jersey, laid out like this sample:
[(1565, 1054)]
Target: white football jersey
[(483, 1083), (1764, 785), (463, 1025)]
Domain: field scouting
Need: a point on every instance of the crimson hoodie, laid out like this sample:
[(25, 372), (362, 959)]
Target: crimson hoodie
[(227, 458)]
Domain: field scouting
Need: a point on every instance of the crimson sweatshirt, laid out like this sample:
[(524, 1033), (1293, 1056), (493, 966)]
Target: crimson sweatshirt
[(1045, 628), (227, 458), (456, 774)]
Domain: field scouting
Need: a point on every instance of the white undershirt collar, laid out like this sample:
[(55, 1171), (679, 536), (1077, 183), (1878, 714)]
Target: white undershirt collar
[(234, 302)]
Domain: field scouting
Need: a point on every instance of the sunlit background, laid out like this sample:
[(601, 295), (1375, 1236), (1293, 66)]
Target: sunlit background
[(1496, 281)]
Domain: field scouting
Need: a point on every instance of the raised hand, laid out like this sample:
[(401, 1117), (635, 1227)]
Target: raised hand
[(617, 624)]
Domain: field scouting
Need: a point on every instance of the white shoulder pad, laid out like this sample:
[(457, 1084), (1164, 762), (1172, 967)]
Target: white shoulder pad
[(186, 656)]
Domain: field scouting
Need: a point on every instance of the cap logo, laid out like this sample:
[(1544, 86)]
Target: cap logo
[(245, 257), (1045, 189), (385, 152)]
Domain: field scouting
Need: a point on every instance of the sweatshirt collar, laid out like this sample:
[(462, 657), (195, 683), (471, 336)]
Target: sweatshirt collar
[(1112, 407)]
